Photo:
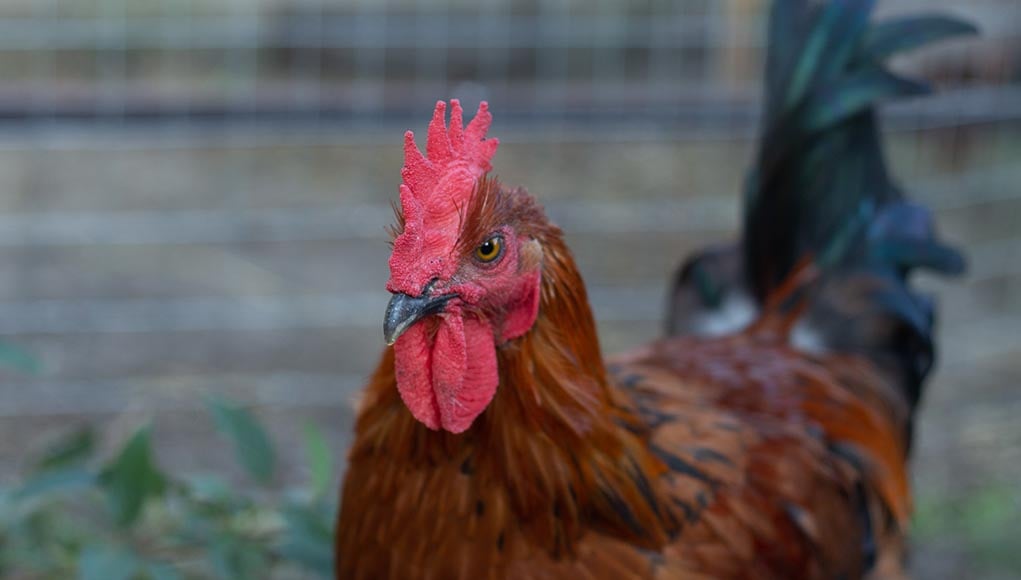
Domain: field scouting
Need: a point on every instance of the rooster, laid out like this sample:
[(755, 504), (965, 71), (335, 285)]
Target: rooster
[(766, 437)]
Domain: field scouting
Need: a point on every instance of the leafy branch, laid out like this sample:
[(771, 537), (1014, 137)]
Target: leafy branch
[(128, 519)]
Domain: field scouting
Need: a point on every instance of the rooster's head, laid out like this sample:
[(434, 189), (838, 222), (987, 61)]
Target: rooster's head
[(464, 273)]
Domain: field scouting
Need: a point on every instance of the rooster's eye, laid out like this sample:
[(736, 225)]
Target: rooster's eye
[(490, 249)]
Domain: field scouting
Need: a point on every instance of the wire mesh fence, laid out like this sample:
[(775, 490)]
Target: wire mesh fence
[(368, 61)]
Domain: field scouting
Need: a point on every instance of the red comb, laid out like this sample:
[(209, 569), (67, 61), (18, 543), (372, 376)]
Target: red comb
[(436, 189), (457, 154)]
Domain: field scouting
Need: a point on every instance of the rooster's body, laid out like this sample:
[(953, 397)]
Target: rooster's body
[(494, 442)]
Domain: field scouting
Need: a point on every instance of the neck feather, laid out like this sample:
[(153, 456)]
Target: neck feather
[(558, 438)]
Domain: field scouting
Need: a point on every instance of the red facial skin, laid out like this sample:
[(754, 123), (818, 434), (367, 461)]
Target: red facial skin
[(446, 364)]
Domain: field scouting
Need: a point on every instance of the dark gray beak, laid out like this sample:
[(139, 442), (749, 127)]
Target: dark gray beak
[(404, 310)]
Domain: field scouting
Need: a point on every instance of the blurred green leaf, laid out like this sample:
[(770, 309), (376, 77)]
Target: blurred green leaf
[(71, 479), (208, 487), (161, 571), (251, 443), (104, 562), (233, 559), (71, 449), (19, 359), (33, 542), (132, 478), (320, 461), (194, 527), (309, 538)]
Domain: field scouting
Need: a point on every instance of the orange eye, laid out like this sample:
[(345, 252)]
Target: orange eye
[(490, 249)]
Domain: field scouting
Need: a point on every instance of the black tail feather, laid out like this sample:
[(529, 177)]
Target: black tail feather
[(820, 176), (820, 187)]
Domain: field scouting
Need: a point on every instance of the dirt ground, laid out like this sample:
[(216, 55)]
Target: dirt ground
[(144, 273)]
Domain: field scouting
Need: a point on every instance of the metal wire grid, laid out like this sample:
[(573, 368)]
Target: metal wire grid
[(371, 60)]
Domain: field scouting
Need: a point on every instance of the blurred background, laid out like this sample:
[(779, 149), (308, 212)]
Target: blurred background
[(193, 195)]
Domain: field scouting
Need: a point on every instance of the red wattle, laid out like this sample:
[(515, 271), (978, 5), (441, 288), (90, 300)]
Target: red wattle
[(412, 364), (447, 382)]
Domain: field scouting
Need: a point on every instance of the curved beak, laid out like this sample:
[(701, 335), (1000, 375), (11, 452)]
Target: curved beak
[(404, 310)]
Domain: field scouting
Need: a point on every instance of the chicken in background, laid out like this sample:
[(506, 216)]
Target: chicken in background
[(767, 439)]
